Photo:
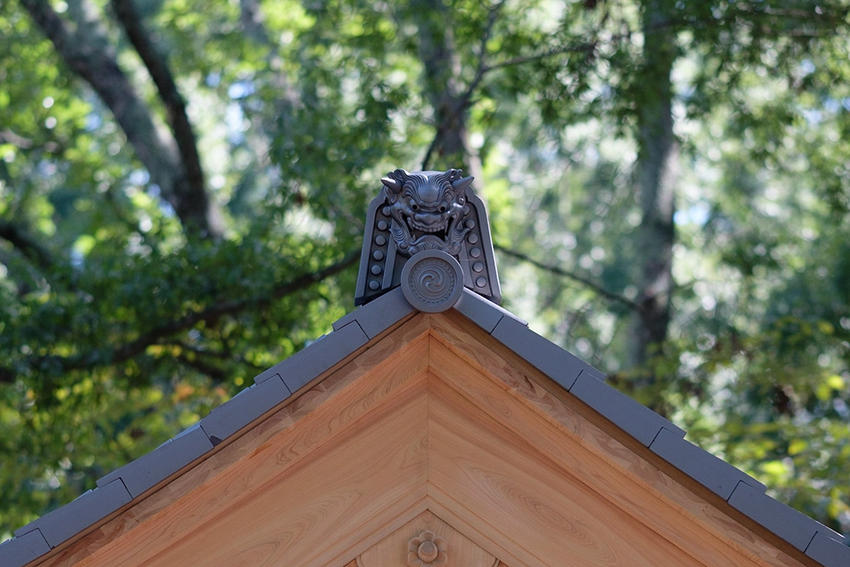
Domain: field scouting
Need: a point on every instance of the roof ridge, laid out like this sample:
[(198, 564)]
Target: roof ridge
[(354, 331)]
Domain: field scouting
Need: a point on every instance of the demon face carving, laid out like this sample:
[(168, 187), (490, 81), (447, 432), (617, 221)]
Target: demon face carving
[(428, 209)]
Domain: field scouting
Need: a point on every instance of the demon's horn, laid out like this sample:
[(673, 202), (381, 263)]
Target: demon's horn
[(462, 184), (392, 182)]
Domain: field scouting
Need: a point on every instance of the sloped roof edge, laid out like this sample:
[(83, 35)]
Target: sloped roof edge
[(354, 331)]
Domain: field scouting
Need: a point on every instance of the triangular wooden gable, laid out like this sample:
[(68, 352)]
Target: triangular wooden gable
[(432, 426)]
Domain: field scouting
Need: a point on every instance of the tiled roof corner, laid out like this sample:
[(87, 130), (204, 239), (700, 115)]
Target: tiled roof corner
[(65, 522), (317, 357), (148, 470), (379, 314), (19, 551), (794, 527), (632, 417), (828, 551), (482, 311), (715, 474), (242, 409), (355, 330), (558, 364)]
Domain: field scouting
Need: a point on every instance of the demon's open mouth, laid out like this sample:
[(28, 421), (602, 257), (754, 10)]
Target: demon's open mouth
[(427, 210), (418, 229)]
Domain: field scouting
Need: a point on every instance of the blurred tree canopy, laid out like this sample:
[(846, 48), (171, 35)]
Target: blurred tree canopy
[(183, 186)]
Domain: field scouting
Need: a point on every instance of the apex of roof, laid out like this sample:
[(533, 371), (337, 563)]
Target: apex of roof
[(427, 248), (428, 232), (355, 331)]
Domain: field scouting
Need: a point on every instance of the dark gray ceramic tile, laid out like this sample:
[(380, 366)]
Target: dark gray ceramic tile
[(549, 358), (162, 462), (713, 473), (319, 356), (378, 315), (239, 411), (786, 522), (74, 517), (829, 552), (635, 419), (21, 550), (482, 311)]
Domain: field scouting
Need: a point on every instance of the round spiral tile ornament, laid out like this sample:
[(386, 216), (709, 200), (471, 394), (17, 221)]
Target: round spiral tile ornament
[(432, 281), (427, 550)]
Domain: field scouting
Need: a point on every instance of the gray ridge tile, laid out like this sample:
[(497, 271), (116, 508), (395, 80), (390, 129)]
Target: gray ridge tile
[(546, 356), (240, 410), (710, 471), (828, 551), (319, 356), (632, 417), (482, 311), (794, 527), (72, 518), (379, 314), (21, 550), (149, 469)]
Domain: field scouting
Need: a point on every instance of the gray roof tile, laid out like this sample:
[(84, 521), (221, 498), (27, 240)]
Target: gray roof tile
[(65, 522), (789, 524), (242, 409), (634, 418), (320, 355), (713, 473), (483, 312), (355, 330), (162, 462), (380, 314), (828, 551), (19, 551), (546, 356)]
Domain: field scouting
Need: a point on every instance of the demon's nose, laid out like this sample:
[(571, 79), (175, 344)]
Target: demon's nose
[(429, 194), (427, 219)]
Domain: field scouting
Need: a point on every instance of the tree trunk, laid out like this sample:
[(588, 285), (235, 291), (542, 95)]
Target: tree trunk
[(657, 172), (87, 51), (444, 90)]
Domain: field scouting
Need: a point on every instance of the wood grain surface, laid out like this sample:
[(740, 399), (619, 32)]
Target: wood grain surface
[(392, 551), (436, 426), (623, 470)]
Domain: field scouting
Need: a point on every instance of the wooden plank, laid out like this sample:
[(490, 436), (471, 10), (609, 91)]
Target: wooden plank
[(519, 495), (637, 499), (530, 502), (314, 512), (344, 397), (393, 550), (647, 482), (466, 522)]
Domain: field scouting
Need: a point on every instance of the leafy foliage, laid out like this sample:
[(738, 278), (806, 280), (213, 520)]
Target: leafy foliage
[(119, 325)]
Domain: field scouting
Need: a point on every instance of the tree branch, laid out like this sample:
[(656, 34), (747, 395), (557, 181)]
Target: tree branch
[(26, 244), (214, 372), (86, 50), (598, 289), (121, 353), (442, 68), (462, 102), (193, 202), (226, 356), (492, 16), (228, 308), (573, 48), (10, 137)]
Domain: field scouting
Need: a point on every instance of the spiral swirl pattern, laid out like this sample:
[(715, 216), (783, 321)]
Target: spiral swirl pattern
[(432, 281)]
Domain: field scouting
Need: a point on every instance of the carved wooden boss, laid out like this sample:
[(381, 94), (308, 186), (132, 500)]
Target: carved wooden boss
[(427, 232)]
